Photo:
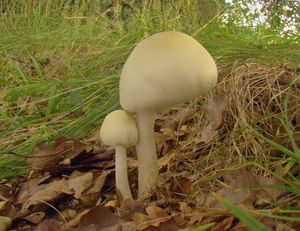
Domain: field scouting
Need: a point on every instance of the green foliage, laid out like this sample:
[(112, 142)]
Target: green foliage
[(246, 218)]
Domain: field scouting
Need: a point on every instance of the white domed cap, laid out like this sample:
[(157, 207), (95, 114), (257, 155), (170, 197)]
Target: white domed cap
[(166, 68), (119, 129)]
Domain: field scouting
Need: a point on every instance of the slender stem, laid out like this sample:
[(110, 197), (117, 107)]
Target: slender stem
[(122, 183), (146, 153)]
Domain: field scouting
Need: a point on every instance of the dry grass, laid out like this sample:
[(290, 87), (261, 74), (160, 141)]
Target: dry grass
[(255, 95)]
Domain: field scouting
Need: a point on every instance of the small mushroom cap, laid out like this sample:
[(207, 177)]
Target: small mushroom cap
[(164, 69), (119, 129)]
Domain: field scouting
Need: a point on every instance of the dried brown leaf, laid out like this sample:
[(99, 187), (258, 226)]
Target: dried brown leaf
[(155, 212), (237, 196), (214, 114), (180, 185), (35, 218), (99, 218), (47, 158), (215, 110), (80, 183), (166, 159), (69, 214), (5, 223), (49, 225), (112, 204), (184, 115), (141, 219), (6, 192), (223, 225), (47, 193), (89, 197), (242, 189), (3, 205), (206, 135), (30, 187), (129, 207), (162, 146), (74, 222), (184, 207)]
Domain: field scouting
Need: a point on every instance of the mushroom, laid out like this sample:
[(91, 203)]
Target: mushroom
[(119, 130), (164, 69)]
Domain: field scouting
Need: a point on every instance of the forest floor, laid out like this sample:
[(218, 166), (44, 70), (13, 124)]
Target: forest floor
[(209, 150), (227, 161)]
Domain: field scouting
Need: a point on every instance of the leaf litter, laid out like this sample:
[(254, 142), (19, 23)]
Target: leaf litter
[(71, 186)]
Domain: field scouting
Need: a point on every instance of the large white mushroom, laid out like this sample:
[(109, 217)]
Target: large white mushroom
[(119, 130), (165, 69)]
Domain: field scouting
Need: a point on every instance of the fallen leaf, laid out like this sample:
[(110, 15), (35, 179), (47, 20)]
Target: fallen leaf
[(30, 187), (47, 158), (5, 223), (129, 207), (166, 159), (161, 143), (3, 205), (91, 195), (169, 225), (168, 133), (155, 212), (47, 193), (224, 224), (206, 135), (6, 192), (35, 218), (243, 187), (215, 110), (239, 227), (80, 183), (175, 120), (266, 194), (99, 218), (180, 219), (180, 185), (141, 220), (184, 115), (49, 225), (69, 214), (157, 218), (184, 207), (74, 222), (214, 116)]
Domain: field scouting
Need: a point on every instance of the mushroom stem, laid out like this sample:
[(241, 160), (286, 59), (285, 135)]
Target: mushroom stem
[(122, 183), (146, 153)]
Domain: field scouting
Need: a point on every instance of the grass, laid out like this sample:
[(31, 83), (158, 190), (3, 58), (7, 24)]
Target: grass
[(249, 221), (60, 69)]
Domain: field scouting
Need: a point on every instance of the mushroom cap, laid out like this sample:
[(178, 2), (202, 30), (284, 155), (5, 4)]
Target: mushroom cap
[(164, 69), (119, 129)]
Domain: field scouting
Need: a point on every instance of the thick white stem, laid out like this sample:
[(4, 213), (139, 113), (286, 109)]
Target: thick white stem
[(122, 183), (146, 153)]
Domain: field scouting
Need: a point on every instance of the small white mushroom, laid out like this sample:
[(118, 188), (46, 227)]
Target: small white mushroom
[(119, 130), (165, 69)]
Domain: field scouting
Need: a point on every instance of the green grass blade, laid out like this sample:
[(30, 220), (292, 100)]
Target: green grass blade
[(203, 227), (274, 145), (29, 89), (243, 216), (37, 67), (19, 73), (53, 101)]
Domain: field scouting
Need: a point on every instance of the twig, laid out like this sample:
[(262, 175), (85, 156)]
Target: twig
[(60, 214)]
